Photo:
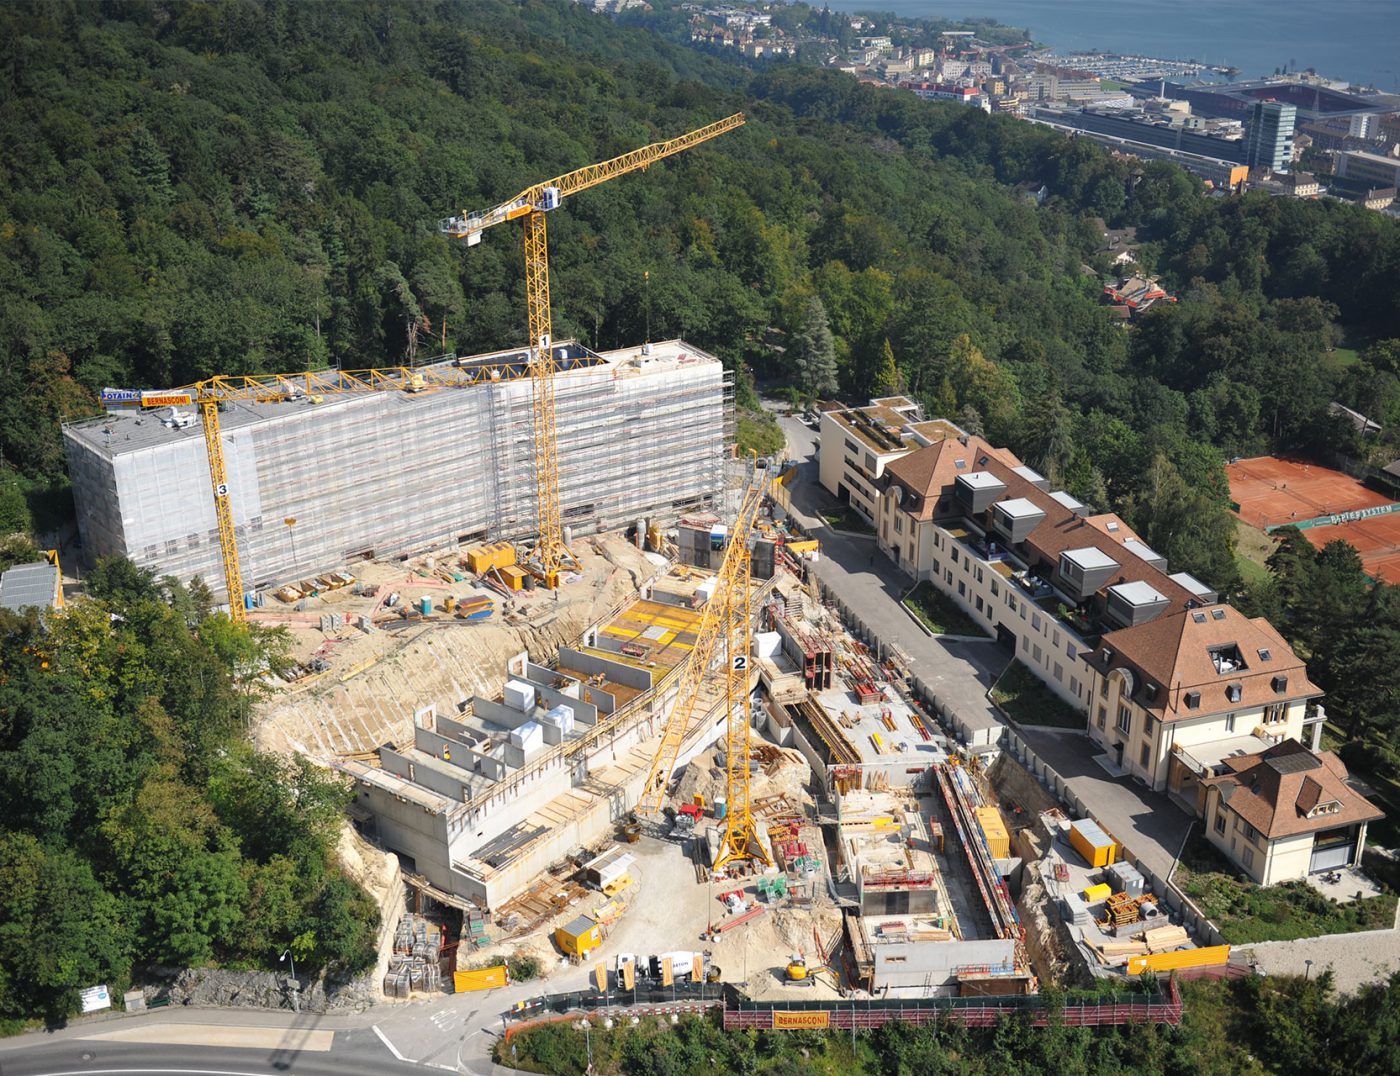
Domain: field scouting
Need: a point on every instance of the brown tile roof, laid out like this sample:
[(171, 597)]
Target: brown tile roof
[(928, 472), (1275, 789), (1174, 652)]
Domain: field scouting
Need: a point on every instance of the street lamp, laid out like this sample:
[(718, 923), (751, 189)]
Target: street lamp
[(1307, 970), (296, 986)]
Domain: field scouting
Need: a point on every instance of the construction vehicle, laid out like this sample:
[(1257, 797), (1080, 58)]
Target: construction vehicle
[(724, 634), (530, 206), (797, 969)]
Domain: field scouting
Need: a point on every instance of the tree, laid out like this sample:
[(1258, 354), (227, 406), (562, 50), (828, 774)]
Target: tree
[(813, 351), (888, 381)]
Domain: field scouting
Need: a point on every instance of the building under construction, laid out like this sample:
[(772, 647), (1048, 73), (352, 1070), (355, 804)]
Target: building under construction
[(320, 481)]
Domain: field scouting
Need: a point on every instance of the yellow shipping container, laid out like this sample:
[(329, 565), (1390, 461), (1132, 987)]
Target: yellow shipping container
[(994, 829), (483, 558), (580, 937), (1210, 957), (482, 979), (1092, 843), (1096, 893), (514, 577)]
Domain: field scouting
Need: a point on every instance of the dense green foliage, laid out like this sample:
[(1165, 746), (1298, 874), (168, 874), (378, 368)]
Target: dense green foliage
[(136, 824), (197, 188), (1253, 1025)]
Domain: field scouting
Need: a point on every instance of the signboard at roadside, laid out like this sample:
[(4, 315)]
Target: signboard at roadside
[(794, 1021), (95, 998), (166, 399)]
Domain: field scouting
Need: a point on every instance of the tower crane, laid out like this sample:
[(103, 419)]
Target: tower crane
[(210, 394), (724, 632), (551, 554)]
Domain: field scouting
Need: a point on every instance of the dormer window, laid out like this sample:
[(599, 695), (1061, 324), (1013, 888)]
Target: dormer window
[(1193, 700), (1327, 807), (1264, 654), (1280, 684), (1151, 692), (1233, 692), (1106, 655), (1199, 618), (1218, 614)]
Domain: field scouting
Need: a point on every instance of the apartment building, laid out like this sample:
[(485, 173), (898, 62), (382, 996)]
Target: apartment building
[(856, 443)]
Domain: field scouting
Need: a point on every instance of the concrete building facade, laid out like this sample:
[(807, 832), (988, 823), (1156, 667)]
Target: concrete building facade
[(641, 432)]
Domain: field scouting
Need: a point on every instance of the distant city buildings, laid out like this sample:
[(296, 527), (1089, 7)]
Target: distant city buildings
[(1369, 168)]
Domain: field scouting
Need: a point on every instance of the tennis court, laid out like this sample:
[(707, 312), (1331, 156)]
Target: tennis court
[(1273, 492), (1377, 539)]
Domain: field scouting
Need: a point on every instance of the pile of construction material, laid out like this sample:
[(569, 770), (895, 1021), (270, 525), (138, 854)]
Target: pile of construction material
[(415, 963), (1163, 939), (309, 588)]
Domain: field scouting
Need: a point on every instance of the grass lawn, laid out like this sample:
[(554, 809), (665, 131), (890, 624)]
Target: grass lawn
[(1027, 700), (847, 518), (1247, 913), (939, 613), (1252, 550)]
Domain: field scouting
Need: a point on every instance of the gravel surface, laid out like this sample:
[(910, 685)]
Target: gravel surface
[(1355, 959)]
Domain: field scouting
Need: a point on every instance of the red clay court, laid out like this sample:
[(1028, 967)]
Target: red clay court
[(1272, 492), (1377, 540)]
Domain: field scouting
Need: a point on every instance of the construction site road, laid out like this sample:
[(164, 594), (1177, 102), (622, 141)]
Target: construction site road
[(867, 582)]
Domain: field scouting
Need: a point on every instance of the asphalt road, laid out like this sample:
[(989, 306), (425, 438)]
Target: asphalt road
[(354, 1053)]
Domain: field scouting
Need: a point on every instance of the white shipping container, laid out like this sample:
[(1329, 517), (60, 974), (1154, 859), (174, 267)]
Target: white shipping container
[(766, 644), (520, 696), (528, 736), (561, 717)]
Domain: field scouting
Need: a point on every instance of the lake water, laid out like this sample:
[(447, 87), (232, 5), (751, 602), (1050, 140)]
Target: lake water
[(1355, 40)]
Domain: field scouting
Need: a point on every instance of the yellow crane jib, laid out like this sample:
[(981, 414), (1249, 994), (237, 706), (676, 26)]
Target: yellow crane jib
[(551, 554)]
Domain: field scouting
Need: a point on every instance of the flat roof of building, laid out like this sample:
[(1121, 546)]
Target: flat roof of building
[(1065, 499), (1189, 582), (29, 586), (1141, 549), (1019, 508), (1138, 593), (981, 480), (130, 429), (1089, 558)]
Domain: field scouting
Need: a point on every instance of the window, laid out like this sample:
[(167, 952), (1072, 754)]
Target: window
[(1055, 640), (1125, 719), (1070, 650), (1220, 822), (1234, 692), (911, 552), (948, 576), (1025, 643), (1276, 713), (1035, 622), (937, 568), (955, 554), (979, 603), (1011, 601), (1229, 722), (1193, 700), (1247, 858), (1103, 716), (995, 589), (898, 524), (962, 589), (1059, 671), (1103, 686), (852, 448), (1250, 833), (1035, 652), (1144, 755), (1023, 612), (1074, 686), (979, 574)]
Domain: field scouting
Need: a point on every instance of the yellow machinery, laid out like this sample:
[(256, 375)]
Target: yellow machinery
[(530, 206), (724, 632), (797, 968), (208, 395)]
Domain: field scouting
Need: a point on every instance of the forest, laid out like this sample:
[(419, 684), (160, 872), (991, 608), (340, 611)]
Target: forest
[(139, 828), (254, 185)]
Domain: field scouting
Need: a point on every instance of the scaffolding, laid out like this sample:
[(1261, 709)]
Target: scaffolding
[(397, 473)]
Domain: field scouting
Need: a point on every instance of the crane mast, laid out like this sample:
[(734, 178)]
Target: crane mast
[(551, 554), (724, 634)]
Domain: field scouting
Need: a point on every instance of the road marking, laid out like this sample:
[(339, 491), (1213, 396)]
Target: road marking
[(150, 1072), (239, 1038), (392, 1048)]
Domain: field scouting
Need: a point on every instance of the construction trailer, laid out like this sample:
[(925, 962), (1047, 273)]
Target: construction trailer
[(642, 432), (579, 938)]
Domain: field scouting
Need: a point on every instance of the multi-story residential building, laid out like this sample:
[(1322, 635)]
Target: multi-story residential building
[(1172, 682), (858, 442), (1285, 813), (1268, 135)]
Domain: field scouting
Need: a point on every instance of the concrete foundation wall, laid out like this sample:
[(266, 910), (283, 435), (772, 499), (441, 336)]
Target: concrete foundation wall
[(915, 966)]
